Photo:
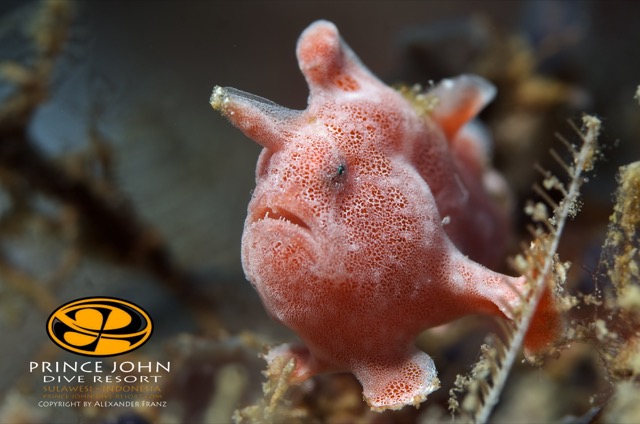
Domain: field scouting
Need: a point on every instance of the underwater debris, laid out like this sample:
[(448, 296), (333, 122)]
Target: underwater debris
[(16, 410), (72, 207), (422, 101), (618, 335), (48, 31), (214, 369), (94, 215), (621, 250), (273, 407), (624, 406)]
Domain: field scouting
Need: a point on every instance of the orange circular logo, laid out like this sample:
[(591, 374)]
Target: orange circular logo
[(99, 326)]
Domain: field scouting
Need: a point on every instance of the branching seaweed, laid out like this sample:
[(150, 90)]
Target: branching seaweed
[(540, 264), (617, 334), (273, 405)]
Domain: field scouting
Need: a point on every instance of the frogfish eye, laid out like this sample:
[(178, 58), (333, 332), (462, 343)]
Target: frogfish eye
[(339, 173)]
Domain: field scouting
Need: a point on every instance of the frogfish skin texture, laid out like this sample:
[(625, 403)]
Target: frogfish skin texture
[(372, 221)]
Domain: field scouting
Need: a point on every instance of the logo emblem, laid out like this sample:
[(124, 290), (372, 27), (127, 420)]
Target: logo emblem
[(99, 326)]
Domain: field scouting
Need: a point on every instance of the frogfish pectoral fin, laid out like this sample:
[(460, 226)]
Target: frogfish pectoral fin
[(393, 383), (546, 326), (305, 365)]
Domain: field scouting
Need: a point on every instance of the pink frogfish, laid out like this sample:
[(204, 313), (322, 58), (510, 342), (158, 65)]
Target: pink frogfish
[(373, 220)]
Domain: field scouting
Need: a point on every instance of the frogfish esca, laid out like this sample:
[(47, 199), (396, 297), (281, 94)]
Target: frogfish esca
[(373, 220)]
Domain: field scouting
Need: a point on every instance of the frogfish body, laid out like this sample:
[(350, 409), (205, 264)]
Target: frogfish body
[(372, 221)]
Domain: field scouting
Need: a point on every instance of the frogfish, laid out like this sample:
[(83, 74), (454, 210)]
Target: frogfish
[(373, 219)]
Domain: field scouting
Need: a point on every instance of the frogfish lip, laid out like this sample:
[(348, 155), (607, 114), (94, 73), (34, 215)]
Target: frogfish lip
[(280, 214)]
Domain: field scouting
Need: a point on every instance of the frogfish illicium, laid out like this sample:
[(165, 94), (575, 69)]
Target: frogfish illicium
[(373, 220)]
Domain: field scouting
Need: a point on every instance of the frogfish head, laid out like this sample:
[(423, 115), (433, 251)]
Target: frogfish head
[(334, 199)]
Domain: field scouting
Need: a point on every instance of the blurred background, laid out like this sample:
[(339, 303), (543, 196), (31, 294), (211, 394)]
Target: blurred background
[(118, 179)]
